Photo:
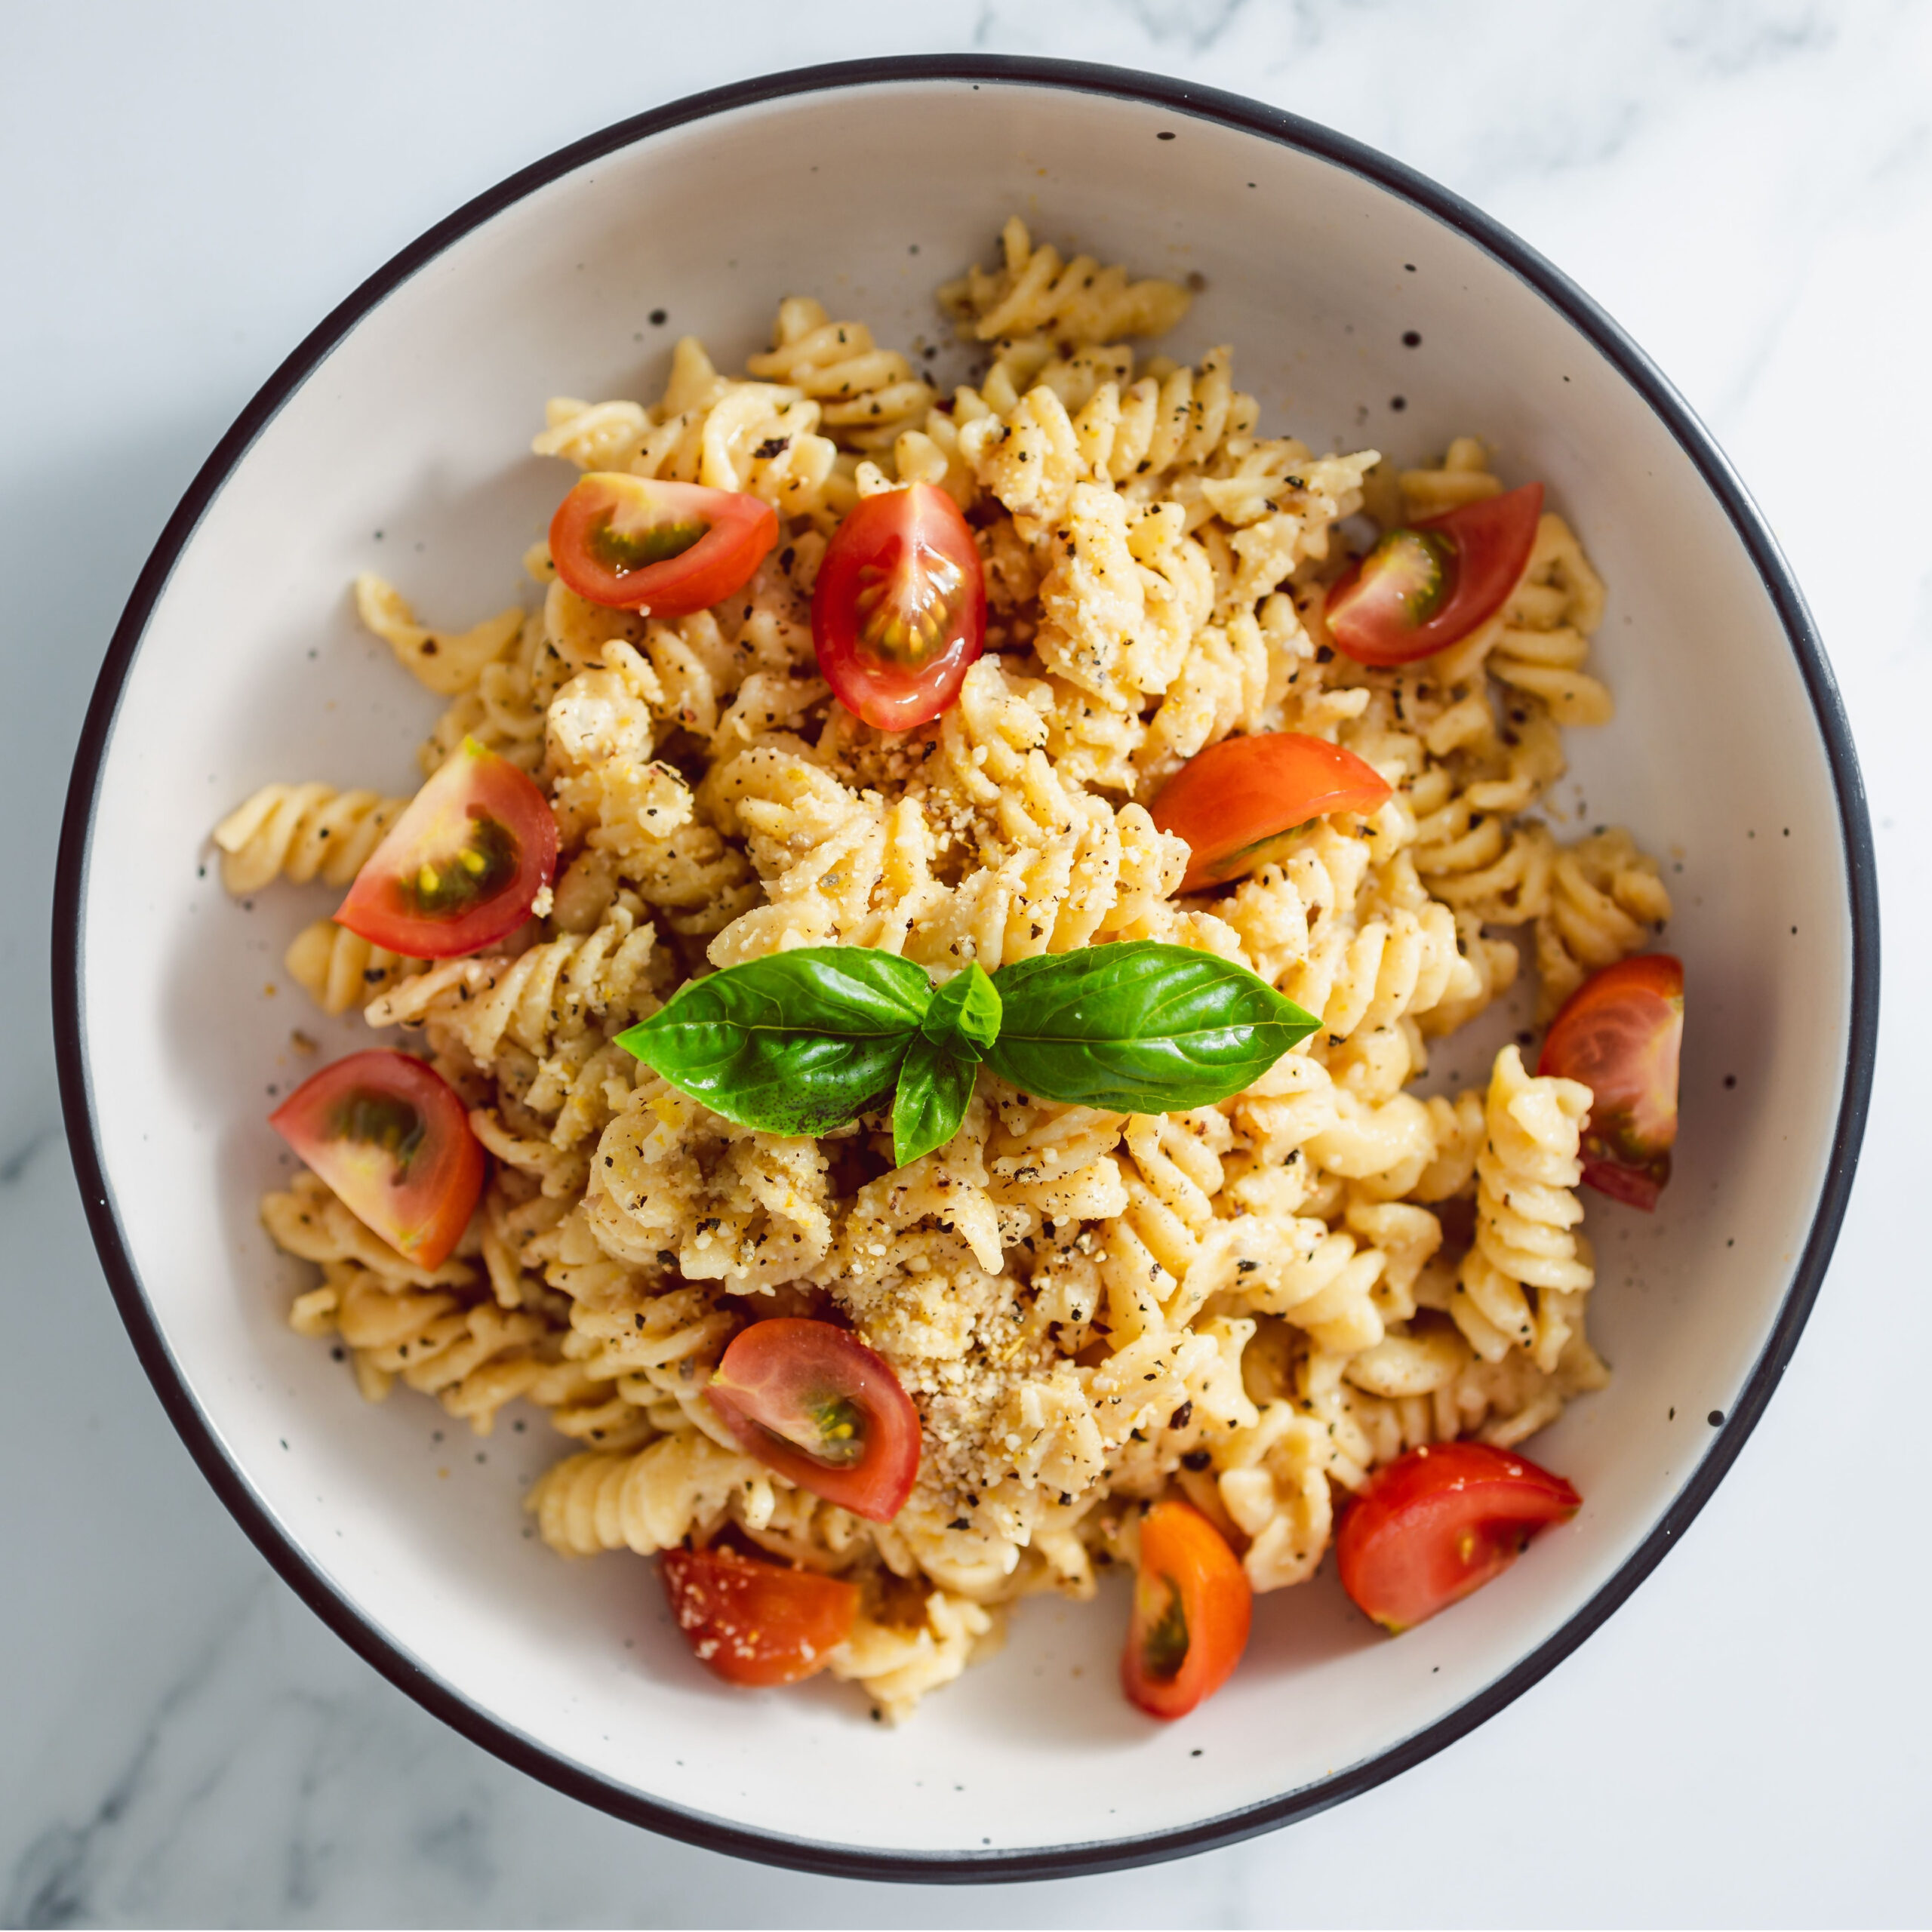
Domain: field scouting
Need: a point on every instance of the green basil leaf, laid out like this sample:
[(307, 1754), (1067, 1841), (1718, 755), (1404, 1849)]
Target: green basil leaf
[(797, 1043), (1139, 1027), (965, 1015), (934, 1086)]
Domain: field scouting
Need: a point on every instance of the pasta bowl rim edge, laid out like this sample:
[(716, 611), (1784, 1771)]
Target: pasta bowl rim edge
[(296, 1566)]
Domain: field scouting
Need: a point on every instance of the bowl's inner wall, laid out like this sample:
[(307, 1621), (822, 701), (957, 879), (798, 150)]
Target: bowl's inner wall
[(404, 453)]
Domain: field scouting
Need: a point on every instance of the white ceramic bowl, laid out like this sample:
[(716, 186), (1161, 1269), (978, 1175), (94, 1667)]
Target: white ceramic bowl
[(393, 437)]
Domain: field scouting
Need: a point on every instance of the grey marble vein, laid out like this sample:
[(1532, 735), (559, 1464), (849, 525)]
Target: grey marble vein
[(15, 1164), (55, 1879)]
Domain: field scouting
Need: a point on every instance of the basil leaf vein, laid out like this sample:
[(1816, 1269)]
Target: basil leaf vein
[(1139, 1027), (935, 1086), (965, 1014), (797, 1043)]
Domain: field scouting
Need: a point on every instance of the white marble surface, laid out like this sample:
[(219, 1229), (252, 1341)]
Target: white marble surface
[(185, 191)]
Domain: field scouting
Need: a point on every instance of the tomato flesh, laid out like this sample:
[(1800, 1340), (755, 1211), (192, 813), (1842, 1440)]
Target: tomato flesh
[(1239, 803), (1423, 588), (813, 1402), (635, 544), (755, 1622), (392, 1140), (1621, 1033), (462, 865), (1440, 1522), (1192, 1607), (900, 612)]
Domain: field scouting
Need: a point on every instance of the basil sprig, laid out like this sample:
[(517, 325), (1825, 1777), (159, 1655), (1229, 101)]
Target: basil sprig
[(936, 1080), (801, 1042)]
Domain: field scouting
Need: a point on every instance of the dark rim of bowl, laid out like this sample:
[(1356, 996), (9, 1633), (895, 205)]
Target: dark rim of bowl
[(854, 1861)]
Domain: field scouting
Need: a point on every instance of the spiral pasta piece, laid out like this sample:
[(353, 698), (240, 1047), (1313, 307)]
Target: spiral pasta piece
[(306, 1219), (338, 969), (649, 1500), (535, 1000), (759, 437), (1606, 899), (1426, 1384), (447, 662), (1166, 1253), (505, 710), (593, 436), (838, 868), (473, 1359), (897, 1663), (1527, 1211), (1462, 478), (1395, 967), (1273, 1482), (1035, 291), (301, 833), (867, 395)]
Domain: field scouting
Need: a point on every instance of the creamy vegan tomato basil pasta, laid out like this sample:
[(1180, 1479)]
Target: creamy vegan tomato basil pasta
[(899, 1000)]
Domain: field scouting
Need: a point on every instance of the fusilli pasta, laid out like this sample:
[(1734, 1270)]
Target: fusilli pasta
[(1254, 1305)]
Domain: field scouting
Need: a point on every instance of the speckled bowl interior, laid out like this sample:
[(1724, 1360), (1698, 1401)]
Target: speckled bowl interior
[(397, 439)]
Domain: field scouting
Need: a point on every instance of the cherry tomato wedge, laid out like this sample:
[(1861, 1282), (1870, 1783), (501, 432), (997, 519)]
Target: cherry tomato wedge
[(813, 1402), (393, 1140), (1238, 803), (899, 612), (1439, 1523), (1192, 1604), (634, 543), (755, 1622), (1419, 590), (462, 867), (1620, 1033)]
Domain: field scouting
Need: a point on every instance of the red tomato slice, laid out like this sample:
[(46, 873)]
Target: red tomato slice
[(1237, 803), (1192, 1605), (813, 1402), (756, 1622), (899, 612), (462, 865), (1440, 1522), (1620, 1033), (634, 543), (1420, 590), (392, 1138)]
